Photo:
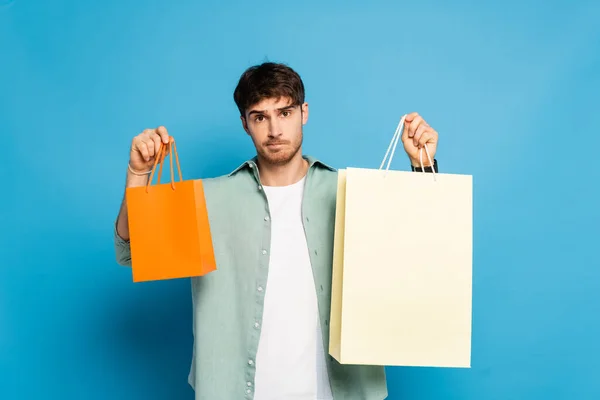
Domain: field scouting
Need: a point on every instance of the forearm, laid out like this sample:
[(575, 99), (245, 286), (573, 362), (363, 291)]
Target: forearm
[(132, 180)]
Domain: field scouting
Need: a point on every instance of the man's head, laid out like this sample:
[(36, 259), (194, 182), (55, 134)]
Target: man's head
[(270, 98)]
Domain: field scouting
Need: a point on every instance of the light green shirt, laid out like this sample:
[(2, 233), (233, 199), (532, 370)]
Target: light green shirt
[(228, 303)]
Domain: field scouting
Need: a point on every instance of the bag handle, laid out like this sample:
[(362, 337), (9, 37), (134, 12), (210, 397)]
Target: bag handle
[(162, 153), (392, 147)]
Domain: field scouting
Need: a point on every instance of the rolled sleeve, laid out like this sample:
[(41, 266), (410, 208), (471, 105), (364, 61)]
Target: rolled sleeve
[(122, 249)]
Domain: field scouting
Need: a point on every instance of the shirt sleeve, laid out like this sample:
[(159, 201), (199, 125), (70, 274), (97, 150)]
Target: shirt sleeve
[(122, 249)]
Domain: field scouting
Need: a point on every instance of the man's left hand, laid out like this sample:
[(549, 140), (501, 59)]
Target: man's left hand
[(417, 133)]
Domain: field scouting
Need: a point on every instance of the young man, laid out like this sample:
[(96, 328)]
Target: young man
[(261, 321)]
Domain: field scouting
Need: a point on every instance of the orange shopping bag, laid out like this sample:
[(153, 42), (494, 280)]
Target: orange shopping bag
[(169, 227)]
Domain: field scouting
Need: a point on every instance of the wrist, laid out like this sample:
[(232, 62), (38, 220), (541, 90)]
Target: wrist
[(136, 172), (427, 167), (135, 178), (417, 164)]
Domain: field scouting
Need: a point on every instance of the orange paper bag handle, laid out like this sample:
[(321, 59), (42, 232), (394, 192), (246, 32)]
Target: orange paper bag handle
[(161, 156)]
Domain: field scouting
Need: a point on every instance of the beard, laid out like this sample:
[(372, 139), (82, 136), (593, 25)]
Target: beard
[(280, 152)]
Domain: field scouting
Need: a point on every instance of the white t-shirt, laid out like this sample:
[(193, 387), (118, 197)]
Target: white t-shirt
[(290, 362)]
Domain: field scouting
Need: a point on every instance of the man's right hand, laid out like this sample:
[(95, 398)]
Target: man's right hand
[(144, 148)]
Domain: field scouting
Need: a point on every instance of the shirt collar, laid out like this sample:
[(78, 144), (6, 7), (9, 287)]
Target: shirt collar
[(252, 163)]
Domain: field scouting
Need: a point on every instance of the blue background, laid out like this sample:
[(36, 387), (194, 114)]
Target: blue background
[(513, 89)]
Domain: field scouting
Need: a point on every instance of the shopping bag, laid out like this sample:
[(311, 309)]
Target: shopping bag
[(169, 227), (402, 267)]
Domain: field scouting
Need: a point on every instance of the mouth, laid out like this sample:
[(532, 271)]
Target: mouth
[(276, 144)]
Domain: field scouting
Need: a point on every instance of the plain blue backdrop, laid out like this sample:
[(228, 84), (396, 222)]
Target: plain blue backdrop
[(513, 89)]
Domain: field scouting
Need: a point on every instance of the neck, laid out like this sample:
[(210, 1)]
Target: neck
[(284, 174)]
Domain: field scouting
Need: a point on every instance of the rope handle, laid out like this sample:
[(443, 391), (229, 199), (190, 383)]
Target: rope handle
[(162, 153), (392, 148)]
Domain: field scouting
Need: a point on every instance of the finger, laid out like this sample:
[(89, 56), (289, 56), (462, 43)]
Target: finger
[(143, 149), (163, 133), (419, 132), (428, 136), (404, 132), (412, 128), (409, 117), (407, 120), (149, 142), (156, 142), (147, 133)]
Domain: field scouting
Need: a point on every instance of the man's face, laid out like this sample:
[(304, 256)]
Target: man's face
[(276, 129)]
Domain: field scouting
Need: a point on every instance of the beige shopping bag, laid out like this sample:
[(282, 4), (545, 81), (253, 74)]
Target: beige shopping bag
[(402, 268)]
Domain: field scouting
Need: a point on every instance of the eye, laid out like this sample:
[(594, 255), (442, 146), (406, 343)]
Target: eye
[(259, 118), (286, 113)]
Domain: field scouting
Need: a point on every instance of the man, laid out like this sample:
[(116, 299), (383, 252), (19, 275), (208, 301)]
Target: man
[(261, 320)]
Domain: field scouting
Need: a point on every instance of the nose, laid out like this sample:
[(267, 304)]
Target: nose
[(275, 128)]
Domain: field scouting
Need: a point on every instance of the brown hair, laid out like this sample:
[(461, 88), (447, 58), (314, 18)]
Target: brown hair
[(268, 80)]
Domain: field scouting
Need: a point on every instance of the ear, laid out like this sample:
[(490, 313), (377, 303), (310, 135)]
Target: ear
[(244, 124), (304, 109)]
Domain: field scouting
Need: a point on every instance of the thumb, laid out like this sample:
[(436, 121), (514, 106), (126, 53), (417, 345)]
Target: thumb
[(406, 123)]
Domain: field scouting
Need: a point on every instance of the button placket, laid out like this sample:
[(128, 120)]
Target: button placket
[(261, 282)]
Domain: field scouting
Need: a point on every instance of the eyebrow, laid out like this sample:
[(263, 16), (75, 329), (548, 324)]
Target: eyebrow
[(264, 111)]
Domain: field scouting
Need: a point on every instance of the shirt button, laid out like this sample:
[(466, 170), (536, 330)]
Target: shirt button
[(264, 252), (249, 384), (256, 325), (259, 187), (260, 289), (250, 362), (248, 391), (267, 218)]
